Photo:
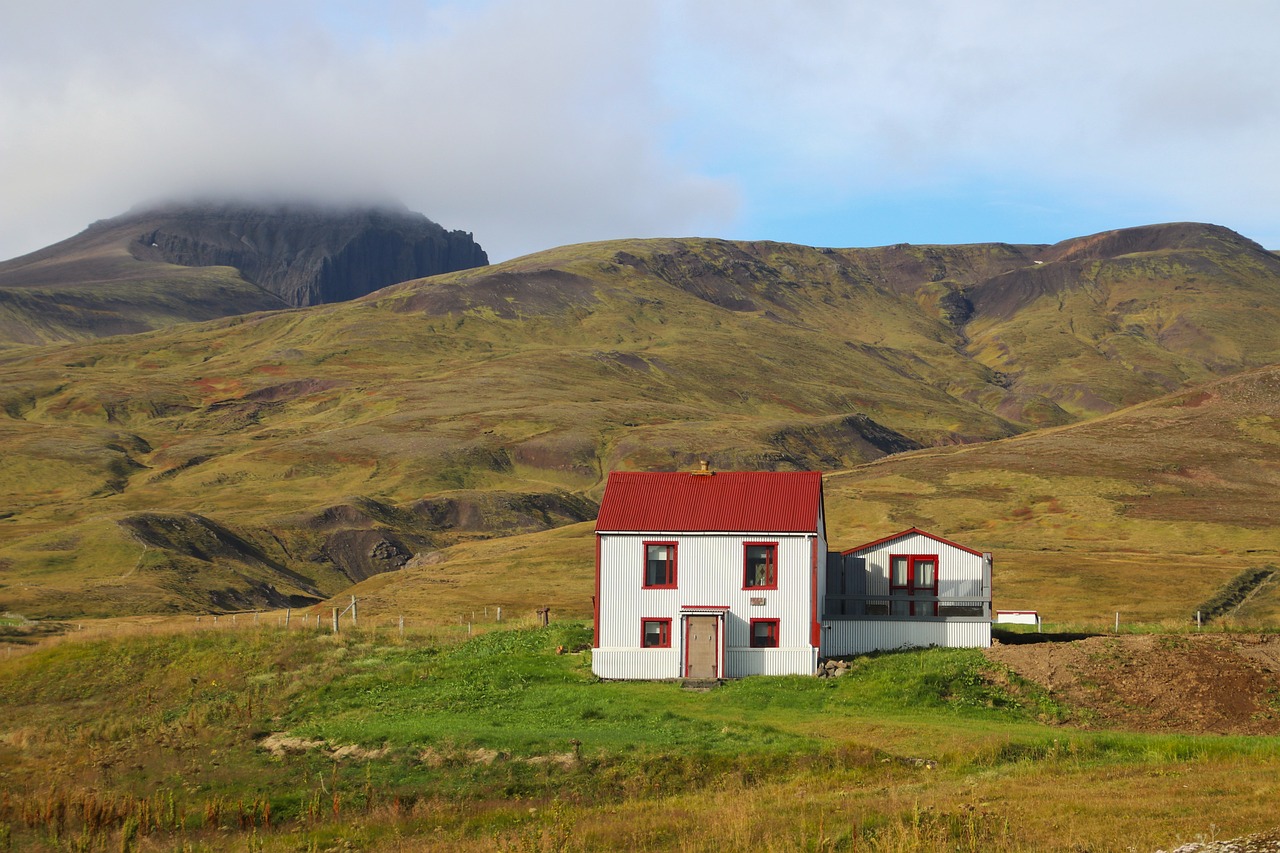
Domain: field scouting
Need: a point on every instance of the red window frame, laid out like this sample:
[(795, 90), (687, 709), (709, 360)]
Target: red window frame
[(911, 588), (771, 571), (644, 578), (664, 632), (773, 632)]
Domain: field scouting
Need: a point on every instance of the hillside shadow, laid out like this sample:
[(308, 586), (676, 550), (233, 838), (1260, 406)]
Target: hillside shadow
[(1023, 638)]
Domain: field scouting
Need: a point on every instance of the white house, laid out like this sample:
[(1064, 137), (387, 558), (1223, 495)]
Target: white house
[(722, 574), (906, 590), (708, 575)]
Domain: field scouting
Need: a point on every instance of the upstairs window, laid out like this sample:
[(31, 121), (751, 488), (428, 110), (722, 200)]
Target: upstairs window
[(761, 571), (899, 572), (764, 633), (655, 633), (911, 575), (660, 565)]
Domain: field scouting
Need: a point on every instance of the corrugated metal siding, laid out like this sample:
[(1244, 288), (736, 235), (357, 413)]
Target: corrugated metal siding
[(709, 570), (859, 636), (744, 662), (959, 572), (636, 664), (726, 501)]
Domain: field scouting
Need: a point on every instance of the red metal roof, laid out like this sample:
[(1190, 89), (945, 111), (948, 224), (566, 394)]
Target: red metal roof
[(868, 546), (724, 502)]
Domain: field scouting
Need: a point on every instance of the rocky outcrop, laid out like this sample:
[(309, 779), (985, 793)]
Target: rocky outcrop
[(306, 255)]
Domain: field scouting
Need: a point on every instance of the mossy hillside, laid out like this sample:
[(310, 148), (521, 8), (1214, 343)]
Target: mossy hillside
[(146, 296), (1169, 317), (1147, 512), (531, 377), (253, 420)]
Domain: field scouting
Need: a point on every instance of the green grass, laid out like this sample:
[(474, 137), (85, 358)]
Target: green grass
[(506, 691), (166, 731)]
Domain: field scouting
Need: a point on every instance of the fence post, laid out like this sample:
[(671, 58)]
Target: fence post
[(335, 620), (1198, 622), (1117, 621), (401, 624), (499, 613), (353, 611), (288, 611)]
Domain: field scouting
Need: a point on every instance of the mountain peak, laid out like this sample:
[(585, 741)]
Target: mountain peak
[(306, 253), (1150, 238)]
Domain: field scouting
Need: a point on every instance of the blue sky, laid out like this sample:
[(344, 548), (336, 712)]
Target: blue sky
[(535, 123)]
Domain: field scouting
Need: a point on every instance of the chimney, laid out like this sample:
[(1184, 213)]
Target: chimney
[(704, 470)]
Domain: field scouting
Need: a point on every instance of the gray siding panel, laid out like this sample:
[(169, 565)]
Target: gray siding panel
[(859, 636)]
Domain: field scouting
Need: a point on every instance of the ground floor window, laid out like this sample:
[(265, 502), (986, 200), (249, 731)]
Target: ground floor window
[(655, 633), (764, 633)]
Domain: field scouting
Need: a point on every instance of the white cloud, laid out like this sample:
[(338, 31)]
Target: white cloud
[(531, 124), (539, 122)]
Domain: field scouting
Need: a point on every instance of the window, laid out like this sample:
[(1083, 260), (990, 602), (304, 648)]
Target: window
[(764, 633), (899, 572), (660, 565), (761, 560), (963, 608), (655, 633), (925, 574), (911, 575)]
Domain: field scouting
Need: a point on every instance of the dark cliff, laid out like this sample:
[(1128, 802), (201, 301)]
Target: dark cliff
[(306, 255)]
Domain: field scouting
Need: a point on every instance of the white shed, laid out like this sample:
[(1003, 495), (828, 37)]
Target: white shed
[(709, 574), (911, 589)]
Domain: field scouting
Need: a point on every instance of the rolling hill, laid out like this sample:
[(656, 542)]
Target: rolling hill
[(279, 457), (1147, 512), (157, 266)]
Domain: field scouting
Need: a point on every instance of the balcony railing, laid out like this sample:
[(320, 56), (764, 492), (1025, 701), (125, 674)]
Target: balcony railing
[(928, 607)]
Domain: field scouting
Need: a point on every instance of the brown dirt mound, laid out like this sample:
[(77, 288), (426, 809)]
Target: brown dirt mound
[(1209, 684)]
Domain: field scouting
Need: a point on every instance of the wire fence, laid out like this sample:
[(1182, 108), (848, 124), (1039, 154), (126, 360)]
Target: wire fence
[(21, 635)]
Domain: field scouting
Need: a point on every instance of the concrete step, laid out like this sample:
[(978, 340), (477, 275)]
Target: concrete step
[(699, 683)]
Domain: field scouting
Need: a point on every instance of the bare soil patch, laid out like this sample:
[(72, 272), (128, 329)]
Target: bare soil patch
[(1203, 684), (280, 745)]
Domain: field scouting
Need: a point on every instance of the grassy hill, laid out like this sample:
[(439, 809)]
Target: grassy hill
[(1148, 512), (278, 457)]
